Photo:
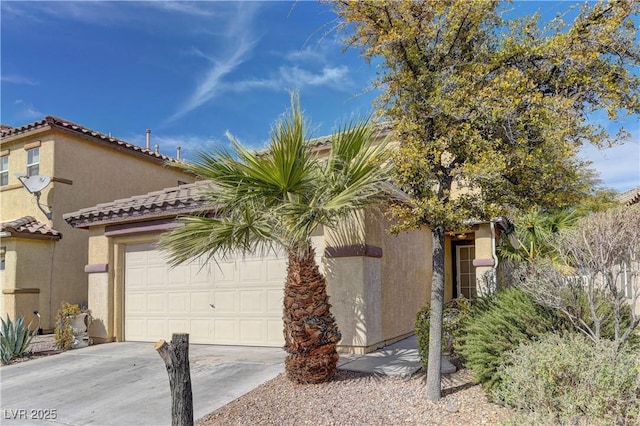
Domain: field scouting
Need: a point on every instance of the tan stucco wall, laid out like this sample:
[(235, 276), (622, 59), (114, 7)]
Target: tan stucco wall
[(95, 174), (484, 251), (405, 269), (27, 277), (354, 287)]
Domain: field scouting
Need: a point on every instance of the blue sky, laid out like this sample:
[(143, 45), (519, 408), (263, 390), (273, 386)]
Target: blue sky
[(192, 71)]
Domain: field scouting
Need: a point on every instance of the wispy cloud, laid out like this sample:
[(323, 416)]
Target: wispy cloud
[(240, 42), (94, 12), (18, 79), (186, 8), (296, 78), (26, 110), (314, 54)]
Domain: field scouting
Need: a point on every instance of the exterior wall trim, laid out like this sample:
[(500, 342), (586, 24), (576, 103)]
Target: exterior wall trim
[(62, 180), (20, 290), (96, 267), (483, 262), (152, 226), (36, 144), (355, 250)]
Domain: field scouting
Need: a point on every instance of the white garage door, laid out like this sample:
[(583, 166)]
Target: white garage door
[(236, 301)]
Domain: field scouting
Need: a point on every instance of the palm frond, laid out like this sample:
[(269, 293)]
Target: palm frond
[(282, 195)]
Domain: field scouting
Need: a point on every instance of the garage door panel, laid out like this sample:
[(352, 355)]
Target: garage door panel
[(178, 302), (275, 332), (251, 271), (156, 276), (275, 268), (274, 301), (178, 276), (245, 291), (136, 328), (200, 301), (224, 272), (199, 275), (200, 331), (156, 328), (178, 325), (225, 301), (156, 303), (136, 277), (225, 330), (136, 303), (155, 256), (252, 331), (251, 301)]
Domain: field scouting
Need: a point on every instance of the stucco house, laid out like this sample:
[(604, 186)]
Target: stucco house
[(376, 281), (42, 258)]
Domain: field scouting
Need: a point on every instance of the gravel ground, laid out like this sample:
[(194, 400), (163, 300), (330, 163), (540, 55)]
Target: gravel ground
[(350, 399), (362, 399), (41, 346)]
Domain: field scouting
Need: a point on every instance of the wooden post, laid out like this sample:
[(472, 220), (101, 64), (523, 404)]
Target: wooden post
[(176, 358)]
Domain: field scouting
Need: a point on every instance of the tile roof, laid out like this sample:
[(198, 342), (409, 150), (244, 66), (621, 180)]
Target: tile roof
[(29, 227), (60, 123), (630, 197), (183, 199), (382, 130)]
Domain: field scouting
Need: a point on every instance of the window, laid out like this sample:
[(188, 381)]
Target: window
[(4, 170), (33, 162), (466, 272)]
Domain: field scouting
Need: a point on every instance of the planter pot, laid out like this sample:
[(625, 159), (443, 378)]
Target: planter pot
[(79, 325)]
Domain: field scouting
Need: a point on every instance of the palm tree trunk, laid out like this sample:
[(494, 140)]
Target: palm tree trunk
[(310, 330)]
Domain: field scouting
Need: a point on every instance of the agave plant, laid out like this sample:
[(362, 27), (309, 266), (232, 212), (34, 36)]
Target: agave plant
[(15, 339)]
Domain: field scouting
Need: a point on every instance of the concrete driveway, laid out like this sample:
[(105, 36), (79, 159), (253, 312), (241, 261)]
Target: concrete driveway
[(127, 384)]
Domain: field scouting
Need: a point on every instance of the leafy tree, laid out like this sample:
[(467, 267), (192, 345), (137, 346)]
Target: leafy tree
[(277, 199), (499, 107)]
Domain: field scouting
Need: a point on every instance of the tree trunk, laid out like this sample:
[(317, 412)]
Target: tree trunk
[(435, 325), (176, 358), (310, 330)]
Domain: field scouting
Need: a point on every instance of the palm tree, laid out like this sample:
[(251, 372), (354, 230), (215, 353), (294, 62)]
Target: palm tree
[(533, 235), (276, 199)]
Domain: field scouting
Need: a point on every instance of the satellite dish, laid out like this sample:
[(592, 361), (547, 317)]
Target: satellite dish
[(36, 183)]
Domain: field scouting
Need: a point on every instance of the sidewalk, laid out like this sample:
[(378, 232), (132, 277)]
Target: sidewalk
[(398, 359)]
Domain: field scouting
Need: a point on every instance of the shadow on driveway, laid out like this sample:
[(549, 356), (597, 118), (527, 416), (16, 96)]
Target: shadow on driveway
[(127, 383)]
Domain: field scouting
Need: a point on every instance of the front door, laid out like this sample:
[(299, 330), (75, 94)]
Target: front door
[(465, 271)]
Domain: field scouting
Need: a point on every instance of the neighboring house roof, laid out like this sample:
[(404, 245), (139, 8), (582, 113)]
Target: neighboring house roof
[(630, 197), (29, 227), (60, 123), (183, 199), (322, 142)]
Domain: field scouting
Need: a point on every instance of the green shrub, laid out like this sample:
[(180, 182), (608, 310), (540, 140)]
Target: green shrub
[(497, 325), (15, 339), (63, 333), (454, 315), (567, 379)]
